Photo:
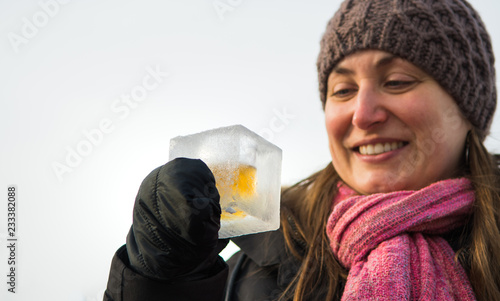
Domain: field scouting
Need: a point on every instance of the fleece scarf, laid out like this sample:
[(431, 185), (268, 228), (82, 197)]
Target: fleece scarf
[(391, 244)]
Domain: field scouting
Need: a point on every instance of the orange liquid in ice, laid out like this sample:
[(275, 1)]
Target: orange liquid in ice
[(232, 216), (236, 185)]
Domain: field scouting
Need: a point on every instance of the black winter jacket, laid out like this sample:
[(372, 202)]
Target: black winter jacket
[(260, 271)]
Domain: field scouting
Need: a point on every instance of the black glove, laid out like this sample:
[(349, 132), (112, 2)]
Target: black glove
[(174, 235)]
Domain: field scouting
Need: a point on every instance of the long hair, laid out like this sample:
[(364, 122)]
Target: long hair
[(306, 207), (308, 204), (484, 237)]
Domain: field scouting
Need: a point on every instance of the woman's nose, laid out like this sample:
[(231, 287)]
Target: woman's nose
[(369, 108)]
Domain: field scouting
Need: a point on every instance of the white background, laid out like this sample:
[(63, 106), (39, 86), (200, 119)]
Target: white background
[(253, 64)]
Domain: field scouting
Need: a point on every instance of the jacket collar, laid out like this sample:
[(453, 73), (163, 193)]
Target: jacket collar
[(265, 249)]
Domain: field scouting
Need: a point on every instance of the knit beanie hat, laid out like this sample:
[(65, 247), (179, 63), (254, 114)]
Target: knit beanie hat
[(445, 38)]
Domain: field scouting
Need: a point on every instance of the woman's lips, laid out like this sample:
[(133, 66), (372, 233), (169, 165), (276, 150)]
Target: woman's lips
[(379, 148)]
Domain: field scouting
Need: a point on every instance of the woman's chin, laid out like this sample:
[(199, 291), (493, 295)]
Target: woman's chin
[(378, 186)]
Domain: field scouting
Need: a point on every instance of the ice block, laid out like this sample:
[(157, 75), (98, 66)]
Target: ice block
[(247, 170)]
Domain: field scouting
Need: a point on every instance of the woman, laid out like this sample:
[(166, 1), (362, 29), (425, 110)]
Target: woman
[(408, 209)]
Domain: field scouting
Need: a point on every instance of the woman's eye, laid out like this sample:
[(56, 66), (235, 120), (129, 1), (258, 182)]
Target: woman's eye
[(341, 92), (398, 84)]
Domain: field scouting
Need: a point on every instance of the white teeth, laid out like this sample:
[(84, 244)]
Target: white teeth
[(378, 148), (370, 149)]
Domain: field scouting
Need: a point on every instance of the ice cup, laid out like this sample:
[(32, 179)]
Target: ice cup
[(247, 170)]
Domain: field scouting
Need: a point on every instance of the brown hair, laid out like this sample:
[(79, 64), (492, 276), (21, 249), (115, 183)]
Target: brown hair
[(307, 206), (484, 240)]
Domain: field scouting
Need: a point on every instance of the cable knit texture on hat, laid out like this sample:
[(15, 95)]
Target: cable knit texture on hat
[(445, 38)]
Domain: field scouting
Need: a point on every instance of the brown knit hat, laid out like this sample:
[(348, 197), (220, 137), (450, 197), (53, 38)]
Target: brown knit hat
[(445, 38)]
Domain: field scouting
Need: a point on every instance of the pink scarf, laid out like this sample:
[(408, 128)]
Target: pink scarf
[(391, 245)]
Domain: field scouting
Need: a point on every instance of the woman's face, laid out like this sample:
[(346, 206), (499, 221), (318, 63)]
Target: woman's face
[(390, 125)]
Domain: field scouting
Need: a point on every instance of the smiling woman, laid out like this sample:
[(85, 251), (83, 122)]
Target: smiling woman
[(418, 78), (408, 208), (381, 112)]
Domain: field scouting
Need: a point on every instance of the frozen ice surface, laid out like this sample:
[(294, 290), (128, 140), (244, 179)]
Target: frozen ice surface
[(247, 170)]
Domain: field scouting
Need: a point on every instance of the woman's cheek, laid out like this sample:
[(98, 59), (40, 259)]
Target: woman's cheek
[(337, 124)]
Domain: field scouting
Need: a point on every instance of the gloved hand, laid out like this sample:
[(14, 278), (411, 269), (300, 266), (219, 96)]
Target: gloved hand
[(174, 235)]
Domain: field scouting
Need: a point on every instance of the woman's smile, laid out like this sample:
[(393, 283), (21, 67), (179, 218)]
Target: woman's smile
[(378, 148)]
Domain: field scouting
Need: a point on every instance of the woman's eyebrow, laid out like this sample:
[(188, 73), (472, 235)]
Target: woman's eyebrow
[(385, 61), (341, 70), (379, 64)]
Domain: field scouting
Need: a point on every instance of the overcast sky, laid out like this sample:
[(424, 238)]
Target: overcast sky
[(92, 91)]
